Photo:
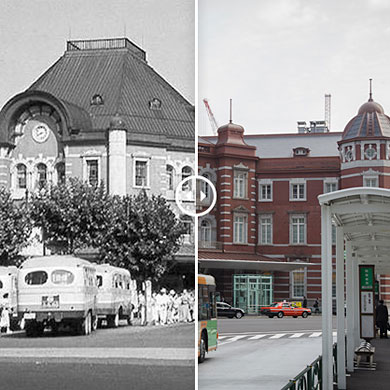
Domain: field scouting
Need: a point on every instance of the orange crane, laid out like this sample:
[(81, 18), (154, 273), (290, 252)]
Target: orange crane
[(213, 122)]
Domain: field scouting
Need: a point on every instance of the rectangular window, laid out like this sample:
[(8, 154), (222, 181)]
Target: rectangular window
[(265, 230), (240, 229), (298, 191), (330, 187), (265, 192), (240, 184), (298, 285), (141, 173), (92, 172), (370, 182), (298, 229)]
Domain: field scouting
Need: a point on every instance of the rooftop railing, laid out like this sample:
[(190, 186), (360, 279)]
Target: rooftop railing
[(105, 44)]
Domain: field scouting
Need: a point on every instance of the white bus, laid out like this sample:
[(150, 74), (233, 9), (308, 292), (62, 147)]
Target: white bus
[(54, 290), (8, 292), (116, 294)]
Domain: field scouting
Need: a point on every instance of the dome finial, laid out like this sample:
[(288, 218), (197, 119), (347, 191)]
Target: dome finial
[(230, 120), (370, 98)]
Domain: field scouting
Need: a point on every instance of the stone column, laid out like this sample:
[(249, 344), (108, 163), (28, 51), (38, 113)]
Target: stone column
[(117, 169)]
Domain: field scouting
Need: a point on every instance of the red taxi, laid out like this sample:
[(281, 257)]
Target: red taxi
[(281, 309)]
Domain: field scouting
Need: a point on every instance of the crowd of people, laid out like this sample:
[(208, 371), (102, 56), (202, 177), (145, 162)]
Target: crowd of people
[(165, 307)]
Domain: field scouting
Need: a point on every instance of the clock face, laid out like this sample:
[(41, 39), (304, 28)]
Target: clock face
[(370, 153), (40, 133)]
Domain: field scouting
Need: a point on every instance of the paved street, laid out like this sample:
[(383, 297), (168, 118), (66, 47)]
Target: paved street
[(260, 353), (123, 358)]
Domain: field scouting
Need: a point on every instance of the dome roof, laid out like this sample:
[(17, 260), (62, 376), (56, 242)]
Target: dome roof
[(231, 134), (370, 121), (371, 106)]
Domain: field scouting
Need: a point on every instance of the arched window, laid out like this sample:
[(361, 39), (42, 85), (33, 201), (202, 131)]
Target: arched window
[(205, 232), (170, 175), (60, 173), (21, 181), (186, 172), (42, 175)]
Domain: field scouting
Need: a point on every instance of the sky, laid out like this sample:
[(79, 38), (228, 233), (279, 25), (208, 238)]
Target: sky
[(33, 35), (278, 58)]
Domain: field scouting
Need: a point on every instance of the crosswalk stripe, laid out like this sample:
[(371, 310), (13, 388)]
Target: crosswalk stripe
[(222, 337), (278, 336), (258, 336), (334, 333), (316, 334), (296, 335), (235, 338)]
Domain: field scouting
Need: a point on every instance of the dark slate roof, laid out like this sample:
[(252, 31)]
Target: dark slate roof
[(371, 122), (122, 77)]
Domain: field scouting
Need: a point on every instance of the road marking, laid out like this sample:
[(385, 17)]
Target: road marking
[(222, 337), (278, 336), (235, 338), (334, 333), (258, 336), (296, 335), (99, 353), (316, 334)]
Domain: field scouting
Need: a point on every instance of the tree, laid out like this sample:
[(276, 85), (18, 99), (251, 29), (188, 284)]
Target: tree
[(74, 214), (15, 228), (143, 236)]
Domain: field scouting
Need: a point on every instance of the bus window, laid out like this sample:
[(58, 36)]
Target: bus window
[(36, 278), (60, 276), (204, 303), (99, 280)]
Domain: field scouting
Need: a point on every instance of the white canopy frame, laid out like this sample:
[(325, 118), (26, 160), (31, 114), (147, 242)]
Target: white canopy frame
[(362, 219)]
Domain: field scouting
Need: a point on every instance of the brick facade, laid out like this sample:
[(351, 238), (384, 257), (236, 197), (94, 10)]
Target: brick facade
[(286, 173)]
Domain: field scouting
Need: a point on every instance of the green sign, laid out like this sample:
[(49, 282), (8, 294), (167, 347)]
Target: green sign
[(376, 287), (366, 278)]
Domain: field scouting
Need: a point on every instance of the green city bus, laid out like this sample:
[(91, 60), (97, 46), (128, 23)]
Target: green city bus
[(207, 316)]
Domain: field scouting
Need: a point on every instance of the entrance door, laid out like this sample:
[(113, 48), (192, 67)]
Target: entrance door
[(252, 291)]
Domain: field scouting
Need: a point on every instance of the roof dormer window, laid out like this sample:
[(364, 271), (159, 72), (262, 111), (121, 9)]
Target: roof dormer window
[(155, 104), (301, 151), (97, 100)]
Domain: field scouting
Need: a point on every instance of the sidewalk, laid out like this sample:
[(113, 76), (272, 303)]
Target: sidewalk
[(379, 379)]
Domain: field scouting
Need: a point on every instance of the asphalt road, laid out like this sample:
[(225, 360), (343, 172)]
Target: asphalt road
[(123, 358), (264, 324), (260, 353)]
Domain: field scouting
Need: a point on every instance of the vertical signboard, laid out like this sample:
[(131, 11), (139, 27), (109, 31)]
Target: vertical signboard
[(367, 306)]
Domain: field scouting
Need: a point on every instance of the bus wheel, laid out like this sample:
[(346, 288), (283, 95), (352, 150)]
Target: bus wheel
[(113, 321), (85, 325), (202, 349), (31, 328), (94, 323)]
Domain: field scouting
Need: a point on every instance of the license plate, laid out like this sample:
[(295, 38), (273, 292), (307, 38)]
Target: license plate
[(51, 301), (29, 316)]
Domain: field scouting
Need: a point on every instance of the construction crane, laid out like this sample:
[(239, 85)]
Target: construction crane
[(213, 122)]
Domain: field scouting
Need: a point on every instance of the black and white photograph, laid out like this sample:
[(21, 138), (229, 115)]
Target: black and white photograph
[(97, 152)]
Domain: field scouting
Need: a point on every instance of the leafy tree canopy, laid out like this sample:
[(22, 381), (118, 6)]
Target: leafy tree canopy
[(74, 213), (143, 236), (15, 228)]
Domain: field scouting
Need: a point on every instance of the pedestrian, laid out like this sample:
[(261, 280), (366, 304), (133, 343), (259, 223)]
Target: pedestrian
[(316, 306), (304, 304), (5, 320), (142, 307), (382, 318), (162, 305)]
